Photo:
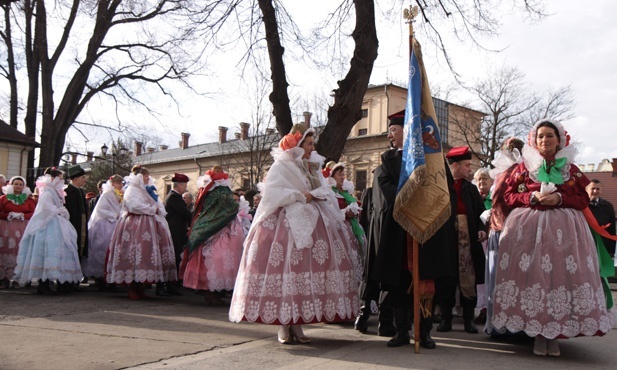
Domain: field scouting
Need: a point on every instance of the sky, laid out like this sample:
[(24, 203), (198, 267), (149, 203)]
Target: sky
[(573, 46)]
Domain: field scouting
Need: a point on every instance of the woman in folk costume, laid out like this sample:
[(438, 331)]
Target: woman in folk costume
[(505, 162), (48, 248), (296, 267), (141, 250), (343, 190), (16, 209), (214, 248), (101, 227), (547, 279)]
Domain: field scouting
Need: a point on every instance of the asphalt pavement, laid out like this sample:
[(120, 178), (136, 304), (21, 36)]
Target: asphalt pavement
[(105, 330)]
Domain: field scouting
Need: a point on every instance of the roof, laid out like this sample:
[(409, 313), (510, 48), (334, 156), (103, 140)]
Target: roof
[(609, 185), (214, 149), (10, 134)]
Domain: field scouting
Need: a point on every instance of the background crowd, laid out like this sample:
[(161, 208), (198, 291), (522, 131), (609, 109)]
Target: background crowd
[(529, 243)]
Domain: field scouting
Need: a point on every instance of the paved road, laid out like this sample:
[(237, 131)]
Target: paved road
[(102, 330)]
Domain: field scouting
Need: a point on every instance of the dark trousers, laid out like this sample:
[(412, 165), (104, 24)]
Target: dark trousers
[(445, 297)]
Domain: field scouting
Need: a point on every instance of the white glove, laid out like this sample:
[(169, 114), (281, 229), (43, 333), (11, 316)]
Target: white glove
[(484, 217), (63, 212)]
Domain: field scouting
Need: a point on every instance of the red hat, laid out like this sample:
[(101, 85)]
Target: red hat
[(90, 195), (458, 153), (179, 177), (397, 118)]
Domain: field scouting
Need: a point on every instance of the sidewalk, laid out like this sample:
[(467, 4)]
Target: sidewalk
[(94, 330)]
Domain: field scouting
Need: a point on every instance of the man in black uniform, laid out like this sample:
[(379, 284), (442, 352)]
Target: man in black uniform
[(603, 211), (179, 218), (391, 262), (78, 207), (467, 206)]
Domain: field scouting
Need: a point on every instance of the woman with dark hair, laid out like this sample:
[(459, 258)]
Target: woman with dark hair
[(48, 248), (141, 250), (547, 276), (296, 268), (16, 209)]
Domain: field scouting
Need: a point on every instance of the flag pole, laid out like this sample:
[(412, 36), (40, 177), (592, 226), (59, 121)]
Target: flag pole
[(409, 14)]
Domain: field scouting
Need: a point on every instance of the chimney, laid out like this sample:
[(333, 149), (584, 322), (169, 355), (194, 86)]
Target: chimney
[(269, 131), (150, 149), (244, 130), (138, 148), (237, 135), (590, 167), (614, 167), (307, 119), (90, 156), (185, 140), (222, 134), (163, 147), (73, 158)]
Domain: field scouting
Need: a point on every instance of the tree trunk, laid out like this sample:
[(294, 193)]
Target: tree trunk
[(347, 108), (10, 59), (279, 97), (33, 63)]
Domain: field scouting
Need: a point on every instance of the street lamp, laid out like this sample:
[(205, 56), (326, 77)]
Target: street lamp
[(114, 154)]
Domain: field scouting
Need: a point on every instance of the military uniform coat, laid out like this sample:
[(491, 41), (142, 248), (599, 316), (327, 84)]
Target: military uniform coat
[(75, 203)]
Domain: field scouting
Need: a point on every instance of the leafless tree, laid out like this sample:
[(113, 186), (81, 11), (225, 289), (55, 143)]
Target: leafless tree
[(511, 107), (126, 48)]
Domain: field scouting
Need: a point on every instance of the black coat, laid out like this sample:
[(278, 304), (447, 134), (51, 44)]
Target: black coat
[(475, 206), (179, 218), (605, 214), (75, 202), (435, 255)]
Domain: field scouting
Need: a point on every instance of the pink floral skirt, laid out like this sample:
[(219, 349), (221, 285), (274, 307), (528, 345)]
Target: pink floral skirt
[(547, 276), (141, 251), (214, 265), (280, 284), (10, 235)]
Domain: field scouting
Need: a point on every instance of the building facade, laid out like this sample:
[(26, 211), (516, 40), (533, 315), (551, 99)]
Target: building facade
[(246, 157)]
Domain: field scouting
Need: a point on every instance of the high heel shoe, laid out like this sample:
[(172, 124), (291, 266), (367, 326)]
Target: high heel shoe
[(552, 348), (296, 333), (539, 346), (284, 334)]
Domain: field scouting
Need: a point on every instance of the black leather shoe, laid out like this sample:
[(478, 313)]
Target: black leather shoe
[(444, 326), (361, 324), (470, 327), (400, 339), (173, 290), (426, 325), (384, 330), (160, 291)]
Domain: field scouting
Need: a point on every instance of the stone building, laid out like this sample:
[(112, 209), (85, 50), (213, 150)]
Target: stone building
[(246, 156)]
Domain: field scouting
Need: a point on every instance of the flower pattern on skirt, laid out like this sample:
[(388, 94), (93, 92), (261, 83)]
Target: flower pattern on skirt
[(279, 283), (140, 257), (548, 293)]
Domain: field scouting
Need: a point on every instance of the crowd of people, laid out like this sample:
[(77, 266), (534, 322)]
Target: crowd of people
[(522, 245)]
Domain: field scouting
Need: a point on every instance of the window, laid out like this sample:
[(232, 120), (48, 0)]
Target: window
[(167, 188), (441, 109), (360, 180), (364, 113), (362, 132), (246, 184)]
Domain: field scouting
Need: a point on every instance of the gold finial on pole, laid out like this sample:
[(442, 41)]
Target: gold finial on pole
[(410, 14)]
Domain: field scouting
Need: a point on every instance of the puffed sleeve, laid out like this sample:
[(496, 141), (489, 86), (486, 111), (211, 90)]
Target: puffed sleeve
[(573, 193), (516, 192)]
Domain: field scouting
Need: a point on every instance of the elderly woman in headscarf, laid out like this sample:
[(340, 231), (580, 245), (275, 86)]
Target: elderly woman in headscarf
[(296, 268), (214, 248), (16, 209)]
